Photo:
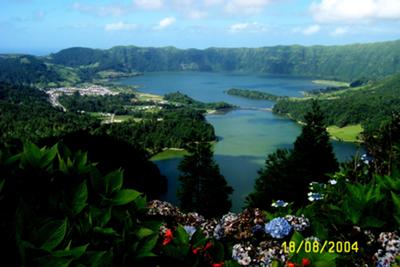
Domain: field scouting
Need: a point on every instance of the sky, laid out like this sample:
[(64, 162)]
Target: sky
[(45, 26)]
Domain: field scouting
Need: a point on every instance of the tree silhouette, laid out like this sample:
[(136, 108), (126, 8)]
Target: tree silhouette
[(287, 174), (203, 189)]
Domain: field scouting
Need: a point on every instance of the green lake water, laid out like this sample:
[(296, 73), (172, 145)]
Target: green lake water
[(246, 136)]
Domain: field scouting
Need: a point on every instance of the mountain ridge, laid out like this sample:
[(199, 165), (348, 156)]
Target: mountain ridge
[(346, 62)]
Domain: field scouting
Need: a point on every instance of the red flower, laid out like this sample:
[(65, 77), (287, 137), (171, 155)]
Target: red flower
[(217, 264), (291, 264), (208, 245), (167, 237), (195, 251), (305, 262), (168, 234), (166, 241)]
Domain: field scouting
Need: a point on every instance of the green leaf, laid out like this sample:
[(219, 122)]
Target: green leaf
[(233, 263), (141, 203), (54, 234), (181, 236), (80, 197), (124, 197), (396, 202), (104, 217), (198, 239), (99, 217), (49, 261), (324, 264), (48, 155), (113, 181), (148, 244), (143, 232), (297, 237), (30, 155), (74, 252), (105, 231), (146, 255), (324, 258), (371, 222), (62, 166), (99, 258)]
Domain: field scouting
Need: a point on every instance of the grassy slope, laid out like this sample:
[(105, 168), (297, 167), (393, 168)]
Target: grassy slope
[(331, 83), (169, 154), (348, 133)]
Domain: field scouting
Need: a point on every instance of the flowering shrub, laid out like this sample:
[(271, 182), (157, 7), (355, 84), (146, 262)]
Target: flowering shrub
[(88, 219), (278, 228)]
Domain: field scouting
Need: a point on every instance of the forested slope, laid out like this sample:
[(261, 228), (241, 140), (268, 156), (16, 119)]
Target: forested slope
[(348, 62), (371, 105)]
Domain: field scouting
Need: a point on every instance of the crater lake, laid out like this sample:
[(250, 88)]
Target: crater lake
[(246, 135)]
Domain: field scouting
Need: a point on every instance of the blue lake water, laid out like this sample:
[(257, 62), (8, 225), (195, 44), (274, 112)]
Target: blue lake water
[(246, 136)]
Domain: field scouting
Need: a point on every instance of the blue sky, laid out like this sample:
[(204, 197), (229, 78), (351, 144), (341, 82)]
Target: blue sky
[(44, 26)]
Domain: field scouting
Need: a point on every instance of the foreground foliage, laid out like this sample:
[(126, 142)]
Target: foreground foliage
[(58, 209)]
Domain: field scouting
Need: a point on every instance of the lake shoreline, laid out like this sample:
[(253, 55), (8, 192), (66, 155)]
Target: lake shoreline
[(248, 134)]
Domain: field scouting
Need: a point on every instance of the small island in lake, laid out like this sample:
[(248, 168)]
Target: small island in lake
[(254, 94)]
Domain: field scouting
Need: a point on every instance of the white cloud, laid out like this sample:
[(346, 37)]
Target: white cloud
[(247, 27), (164, 23), (149, 4), (246, 6), (120, 26), (106, 10), (213, 2), (196, 14), (340, 31), (355, 10), (310, 30)]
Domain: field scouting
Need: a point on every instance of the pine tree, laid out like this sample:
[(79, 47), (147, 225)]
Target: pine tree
[(287, 174), (313, 157), (203, 189)]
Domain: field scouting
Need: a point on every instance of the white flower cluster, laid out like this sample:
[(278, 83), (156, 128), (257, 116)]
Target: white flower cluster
[(240, 253), (279, 204), (298, 223), (391, 249), (315, 196)]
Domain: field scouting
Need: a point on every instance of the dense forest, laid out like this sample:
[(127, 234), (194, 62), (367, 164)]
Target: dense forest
[(370, 105), (27, 115), (254, 94), (348, 62), (18, 69), (172, 128), (116, 104), (185, 100)]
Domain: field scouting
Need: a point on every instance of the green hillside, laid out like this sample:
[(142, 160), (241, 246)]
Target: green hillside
[(371, 105), (31, 70), (348, 62)]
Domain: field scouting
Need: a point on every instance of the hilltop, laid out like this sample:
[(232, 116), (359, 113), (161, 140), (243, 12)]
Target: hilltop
[(75, 65)]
